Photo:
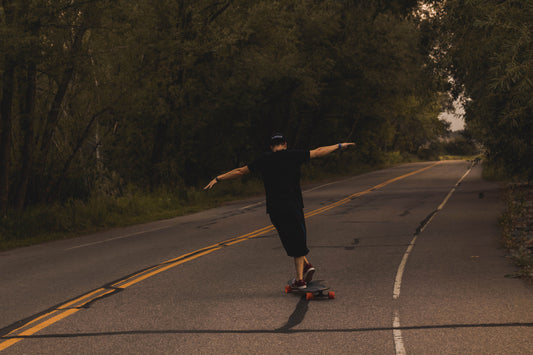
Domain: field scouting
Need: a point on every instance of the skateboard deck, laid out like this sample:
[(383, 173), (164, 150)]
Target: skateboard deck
[(315, 289)]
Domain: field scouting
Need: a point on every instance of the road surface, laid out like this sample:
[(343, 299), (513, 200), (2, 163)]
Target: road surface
[(412, 253)]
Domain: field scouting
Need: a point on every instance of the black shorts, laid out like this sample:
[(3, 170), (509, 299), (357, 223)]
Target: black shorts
[(292, 232)]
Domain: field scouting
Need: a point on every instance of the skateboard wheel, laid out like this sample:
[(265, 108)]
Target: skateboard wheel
[(331, 295), (288, 289), (308, 296)]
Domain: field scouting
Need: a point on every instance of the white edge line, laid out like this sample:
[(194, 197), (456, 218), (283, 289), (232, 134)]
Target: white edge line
[(396, 331), (115, 238), (401, 268), (461, 179), (441, 206), (324, 185), (252, 205)]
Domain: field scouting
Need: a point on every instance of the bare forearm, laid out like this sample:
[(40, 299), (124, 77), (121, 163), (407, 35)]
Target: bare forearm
[(321, 151), (232, 174)]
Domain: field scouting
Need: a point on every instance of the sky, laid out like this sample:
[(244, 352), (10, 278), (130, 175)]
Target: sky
[(455, 118)]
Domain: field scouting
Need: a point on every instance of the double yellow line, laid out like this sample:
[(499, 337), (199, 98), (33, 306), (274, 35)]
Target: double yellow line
[(56, 314), (357, 194)]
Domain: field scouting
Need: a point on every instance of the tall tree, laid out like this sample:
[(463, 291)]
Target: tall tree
[(487, 49), (97, 95)]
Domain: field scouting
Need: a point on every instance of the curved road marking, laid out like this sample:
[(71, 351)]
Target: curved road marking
[(397, 333), (75, 305)]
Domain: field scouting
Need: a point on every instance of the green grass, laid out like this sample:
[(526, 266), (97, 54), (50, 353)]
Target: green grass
[(459, 157), (59, 221)]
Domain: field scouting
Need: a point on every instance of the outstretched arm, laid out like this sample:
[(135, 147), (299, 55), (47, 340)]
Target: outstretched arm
[(233, 174), (320, 152)]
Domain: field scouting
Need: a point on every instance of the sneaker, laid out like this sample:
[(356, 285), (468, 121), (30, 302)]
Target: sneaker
[(298, 284), (309, 271)]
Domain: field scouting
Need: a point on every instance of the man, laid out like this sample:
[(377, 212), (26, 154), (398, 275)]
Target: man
[(280, 170)]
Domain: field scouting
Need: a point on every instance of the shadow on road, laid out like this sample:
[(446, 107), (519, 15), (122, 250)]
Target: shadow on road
[(285, 329)]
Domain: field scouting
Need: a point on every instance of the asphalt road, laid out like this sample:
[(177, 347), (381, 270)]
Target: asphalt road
[(412, 253)]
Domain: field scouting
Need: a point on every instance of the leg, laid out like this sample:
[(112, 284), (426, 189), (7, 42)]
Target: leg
[(309, 271), (299, 263), (292, 232)]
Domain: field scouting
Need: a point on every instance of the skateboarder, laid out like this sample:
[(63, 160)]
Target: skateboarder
[(280, 170)]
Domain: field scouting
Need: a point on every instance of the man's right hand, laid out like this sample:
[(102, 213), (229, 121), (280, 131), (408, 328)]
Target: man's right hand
[(321, 151), (346, 145)]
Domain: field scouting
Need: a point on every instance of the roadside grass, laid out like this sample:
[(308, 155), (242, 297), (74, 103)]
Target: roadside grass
[(517, 228), (73, 218), (460, 157), (517, 219)]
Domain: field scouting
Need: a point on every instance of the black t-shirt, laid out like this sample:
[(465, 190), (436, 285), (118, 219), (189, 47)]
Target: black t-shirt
[(281, 176)]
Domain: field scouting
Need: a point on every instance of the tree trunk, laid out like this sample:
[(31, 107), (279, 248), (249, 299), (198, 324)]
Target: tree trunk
[(57, 183), (53, 115), (27, 127), (157, 152), (5, 133)]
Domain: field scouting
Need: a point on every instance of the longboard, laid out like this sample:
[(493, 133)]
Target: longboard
[(315, 289)]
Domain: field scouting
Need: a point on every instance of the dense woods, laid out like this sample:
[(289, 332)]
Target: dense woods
[(99, 96), (123, 108), (486, 46)]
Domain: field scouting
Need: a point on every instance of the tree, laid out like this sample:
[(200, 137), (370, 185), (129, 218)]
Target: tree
[(487, 48), (46, 46), (97, 95)]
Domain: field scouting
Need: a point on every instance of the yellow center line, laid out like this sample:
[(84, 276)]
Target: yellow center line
[(15, 339), (88, 295), (361, 193), (169, 266), (33, 321), (11, 338)]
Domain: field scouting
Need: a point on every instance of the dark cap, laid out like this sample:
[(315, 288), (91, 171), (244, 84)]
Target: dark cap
[(277, 138)]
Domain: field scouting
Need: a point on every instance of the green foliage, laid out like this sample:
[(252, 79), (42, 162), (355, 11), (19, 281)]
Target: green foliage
[(517, 227), (61, 220), (107, 96), (461, 146), (487, 48)]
